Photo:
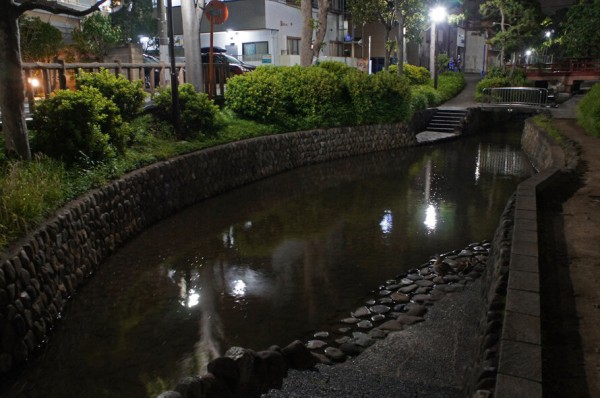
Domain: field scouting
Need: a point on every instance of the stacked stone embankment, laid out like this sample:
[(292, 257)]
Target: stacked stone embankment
[(39, 273)]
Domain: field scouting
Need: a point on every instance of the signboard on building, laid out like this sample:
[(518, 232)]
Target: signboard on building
[(362, 64), (267, 59)]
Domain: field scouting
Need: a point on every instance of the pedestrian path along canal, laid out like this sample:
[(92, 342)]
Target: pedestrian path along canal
[(271, 262)]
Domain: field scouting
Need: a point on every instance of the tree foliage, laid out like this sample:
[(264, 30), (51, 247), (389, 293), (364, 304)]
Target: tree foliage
[(96, 36), (135, 19), (519, 23), (394, 16), (581, 36), (40, 41)]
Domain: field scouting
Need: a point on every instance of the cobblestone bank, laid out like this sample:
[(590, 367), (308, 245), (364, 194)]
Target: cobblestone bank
[(41, 272)]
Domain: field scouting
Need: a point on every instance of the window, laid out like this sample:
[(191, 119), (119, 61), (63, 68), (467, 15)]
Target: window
[(255, 51), (293, 45)]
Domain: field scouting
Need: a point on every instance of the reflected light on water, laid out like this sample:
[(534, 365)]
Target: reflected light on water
[(238, 288), (430, 218), (228, 239), (497, 160), (386, 222), (193, 299), (190, 297)]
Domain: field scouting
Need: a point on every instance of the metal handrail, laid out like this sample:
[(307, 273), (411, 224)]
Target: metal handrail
[(527, 96)]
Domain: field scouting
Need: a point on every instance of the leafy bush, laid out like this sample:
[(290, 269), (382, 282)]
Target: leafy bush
[(198, 112), (259, 95), (337, 68), (293, 97), (417, 75), (312, 97), (28, 193), (449, 85), (128, 96), (588, 111), (72, 125), (379, 98), (498, 81), (496, 78), (424, 97)]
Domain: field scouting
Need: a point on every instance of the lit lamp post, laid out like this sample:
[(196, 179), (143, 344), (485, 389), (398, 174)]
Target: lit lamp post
[(437, 14)]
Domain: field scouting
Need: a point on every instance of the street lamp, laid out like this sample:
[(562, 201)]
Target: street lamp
[(437, 14), (528, 56)]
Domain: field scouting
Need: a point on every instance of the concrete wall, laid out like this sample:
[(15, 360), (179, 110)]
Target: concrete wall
[(41, 272)]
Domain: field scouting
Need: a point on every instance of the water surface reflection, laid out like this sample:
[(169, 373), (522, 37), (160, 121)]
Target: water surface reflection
[(271, 262)]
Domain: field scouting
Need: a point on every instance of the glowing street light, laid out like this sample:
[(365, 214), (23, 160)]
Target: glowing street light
[(528, 56), (437, 14)]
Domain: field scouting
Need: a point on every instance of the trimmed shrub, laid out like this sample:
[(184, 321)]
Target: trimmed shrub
[(74, 125), (312, 97), (379, 98), (588, 111), (290, 96), (424, 97), (128, 96), (417, 75), (259, 95), (299, 98), (198, 112)]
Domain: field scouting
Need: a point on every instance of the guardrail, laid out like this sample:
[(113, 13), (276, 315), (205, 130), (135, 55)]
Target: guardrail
[(524, 96)]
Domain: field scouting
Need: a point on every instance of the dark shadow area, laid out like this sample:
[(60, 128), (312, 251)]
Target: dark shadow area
[(563, 369)]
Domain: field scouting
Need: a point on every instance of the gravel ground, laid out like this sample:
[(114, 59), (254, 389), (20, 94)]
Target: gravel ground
[(427, 359)]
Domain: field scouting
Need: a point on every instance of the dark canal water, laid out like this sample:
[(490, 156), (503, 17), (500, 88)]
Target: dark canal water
[(270, 263)]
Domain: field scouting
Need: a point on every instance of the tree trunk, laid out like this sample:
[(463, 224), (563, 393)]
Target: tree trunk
[(306, 52), (400, 40), (12, 88), (388, 49), (322, 28), (502, 51), (191, 15)]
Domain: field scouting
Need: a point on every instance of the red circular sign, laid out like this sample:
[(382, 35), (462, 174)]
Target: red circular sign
[(216, 12)]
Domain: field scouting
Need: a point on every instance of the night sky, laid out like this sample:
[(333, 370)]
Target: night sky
[(551, 6)]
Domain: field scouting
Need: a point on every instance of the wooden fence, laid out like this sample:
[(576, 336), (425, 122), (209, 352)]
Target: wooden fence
[(44, 78)]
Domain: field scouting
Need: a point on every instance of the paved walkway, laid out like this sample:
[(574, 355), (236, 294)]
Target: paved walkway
[(575, 344)]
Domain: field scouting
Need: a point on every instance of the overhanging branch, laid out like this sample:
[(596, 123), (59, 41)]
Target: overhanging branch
[(55, 8)]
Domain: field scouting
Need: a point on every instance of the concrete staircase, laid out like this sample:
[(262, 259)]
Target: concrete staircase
[(447, 121)]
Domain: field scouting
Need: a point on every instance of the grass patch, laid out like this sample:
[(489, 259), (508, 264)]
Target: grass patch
[(29, 192), (545, 122)]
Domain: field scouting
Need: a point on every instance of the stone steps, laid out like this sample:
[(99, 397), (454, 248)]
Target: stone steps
[(447, 120)]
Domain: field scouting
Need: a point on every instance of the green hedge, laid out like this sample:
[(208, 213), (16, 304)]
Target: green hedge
[(330, 94), (588, 111)]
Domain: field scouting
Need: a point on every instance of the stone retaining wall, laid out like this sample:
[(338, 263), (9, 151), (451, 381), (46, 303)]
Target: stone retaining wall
[(40, 273), (510, 358)]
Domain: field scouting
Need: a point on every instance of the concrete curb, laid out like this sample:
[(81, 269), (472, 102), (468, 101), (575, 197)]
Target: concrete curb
[(520, 352)]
